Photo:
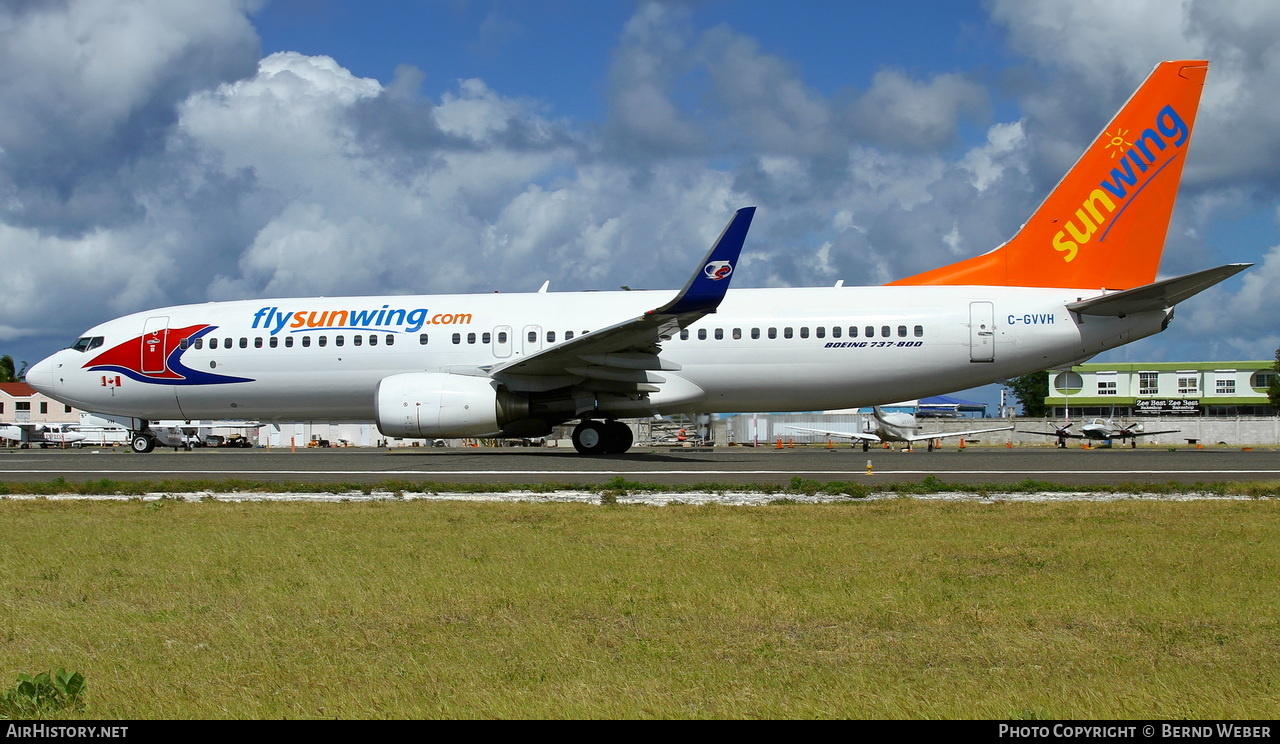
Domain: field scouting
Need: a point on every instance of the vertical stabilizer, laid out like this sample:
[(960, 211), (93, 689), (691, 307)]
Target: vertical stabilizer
[(1104, 225)]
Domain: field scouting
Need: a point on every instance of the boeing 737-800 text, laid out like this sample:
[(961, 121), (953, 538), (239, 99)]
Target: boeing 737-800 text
[(1078, 278)]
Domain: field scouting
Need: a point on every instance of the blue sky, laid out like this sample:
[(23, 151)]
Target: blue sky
[(158, 152)]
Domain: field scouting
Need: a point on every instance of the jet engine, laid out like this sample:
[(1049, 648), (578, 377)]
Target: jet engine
[(420, 405)]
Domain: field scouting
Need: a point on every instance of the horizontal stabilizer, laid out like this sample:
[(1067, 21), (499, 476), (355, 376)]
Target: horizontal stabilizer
[(1155, 297)]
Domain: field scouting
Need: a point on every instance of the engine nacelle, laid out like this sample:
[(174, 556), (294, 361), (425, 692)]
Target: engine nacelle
[(424, 405)]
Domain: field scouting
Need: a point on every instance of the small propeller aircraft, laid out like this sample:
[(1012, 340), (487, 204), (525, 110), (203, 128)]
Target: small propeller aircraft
[(1101, 430), (45, 435), (896, 427)]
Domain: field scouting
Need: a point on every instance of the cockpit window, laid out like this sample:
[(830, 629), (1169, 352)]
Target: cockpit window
[(85, 343)]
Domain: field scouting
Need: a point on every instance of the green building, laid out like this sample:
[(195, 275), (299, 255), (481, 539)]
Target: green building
[(1125, 390)]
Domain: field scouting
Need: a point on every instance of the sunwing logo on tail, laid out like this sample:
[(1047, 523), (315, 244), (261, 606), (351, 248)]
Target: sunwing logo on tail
[(1137, 163)]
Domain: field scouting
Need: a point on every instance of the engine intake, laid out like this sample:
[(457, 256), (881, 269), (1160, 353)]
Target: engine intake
[(423, 405)]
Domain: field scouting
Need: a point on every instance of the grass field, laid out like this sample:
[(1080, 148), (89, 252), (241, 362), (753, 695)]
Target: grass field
[(886, 609)]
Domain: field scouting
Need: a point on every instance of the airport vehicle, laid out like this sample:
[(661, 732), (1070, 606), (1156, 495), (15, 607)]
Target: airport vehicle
[(896, 427), (1077, 279), (1101, 430), (45, 435)]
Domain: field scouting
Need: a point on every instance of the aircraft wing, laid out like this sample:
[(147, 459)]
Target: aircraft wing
[(623, 357), (862, 435), (1158, 296), (1063, 435), (944, 434), (1145, 433)]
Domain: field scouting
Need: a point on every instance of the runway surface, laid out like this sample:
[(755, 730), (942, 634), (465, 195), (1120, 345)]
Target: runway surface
[(726, 465)]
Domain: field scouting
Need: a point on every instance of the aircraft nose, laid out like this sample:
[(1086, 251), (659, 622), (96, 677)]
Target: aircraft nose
[(41, 375)]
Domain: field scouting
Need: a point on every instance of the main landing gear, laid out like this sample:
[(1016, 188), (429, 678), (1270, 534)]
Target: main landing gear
[(142, 442), (602, 437)]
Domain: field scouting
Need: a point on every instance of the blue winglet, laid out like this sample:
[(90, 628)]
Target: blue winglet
[(706, 288)]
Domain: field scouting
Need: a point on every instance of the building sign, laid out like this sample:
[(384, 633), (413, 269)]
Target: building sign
[(1166, 407)]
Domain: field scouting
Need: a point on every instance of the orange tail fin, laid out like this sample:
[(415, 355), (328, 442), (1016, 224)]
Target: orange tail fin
[(1104, 225)]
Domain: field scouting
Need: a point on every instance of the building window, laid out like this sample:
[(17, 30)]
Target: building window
[(1226, 387), (1106, 387), (1262, 379), (44, 407), (1148, 383), (1188, 383), (22, 405)]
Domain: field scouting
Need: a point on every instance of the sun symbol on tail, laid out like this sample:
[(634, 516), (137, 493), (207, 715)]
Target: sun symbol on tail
[(1117, 141)]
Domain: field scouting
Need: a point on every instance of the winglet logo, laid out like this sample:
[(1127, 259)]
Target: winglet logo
[(1137, 163), (717, 270)]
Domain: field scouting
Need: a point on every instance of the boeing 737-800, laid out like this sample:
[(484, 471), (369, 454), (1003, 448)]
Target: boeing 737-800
[(1078, 278)]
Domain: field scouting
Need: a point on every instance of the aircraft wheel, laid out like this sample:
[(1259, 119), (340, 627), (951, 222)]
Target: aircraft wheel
[(589, 438), (142, 444), (930, 445), (866, 446), (618, 437)]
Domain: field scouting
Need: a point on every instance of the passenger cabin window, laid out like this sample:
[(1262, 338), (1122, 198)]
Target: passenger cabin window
[(502, 337), (471, 338), (306, 340), (339, 340), (244, 342), (321, 341), (804, 331), (257, 342), (390, 339), (835, 332), (902, 331), (200, 343), (373, 340), (213, 343), (755, 333), (551, 337), (919, 331), (786, 332), (568, 335), (853, 331), (820, 332), (773, 333), (684, 334), (288, 342), (486, 337), (702, 334), (884, 331), (422, 339), (719, 334), (358, 340)]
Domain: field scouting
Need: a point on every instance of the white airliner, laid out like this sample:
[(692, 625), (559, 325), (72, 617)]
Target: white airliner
[(1079, 278), (59, 435), (896, 427)]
